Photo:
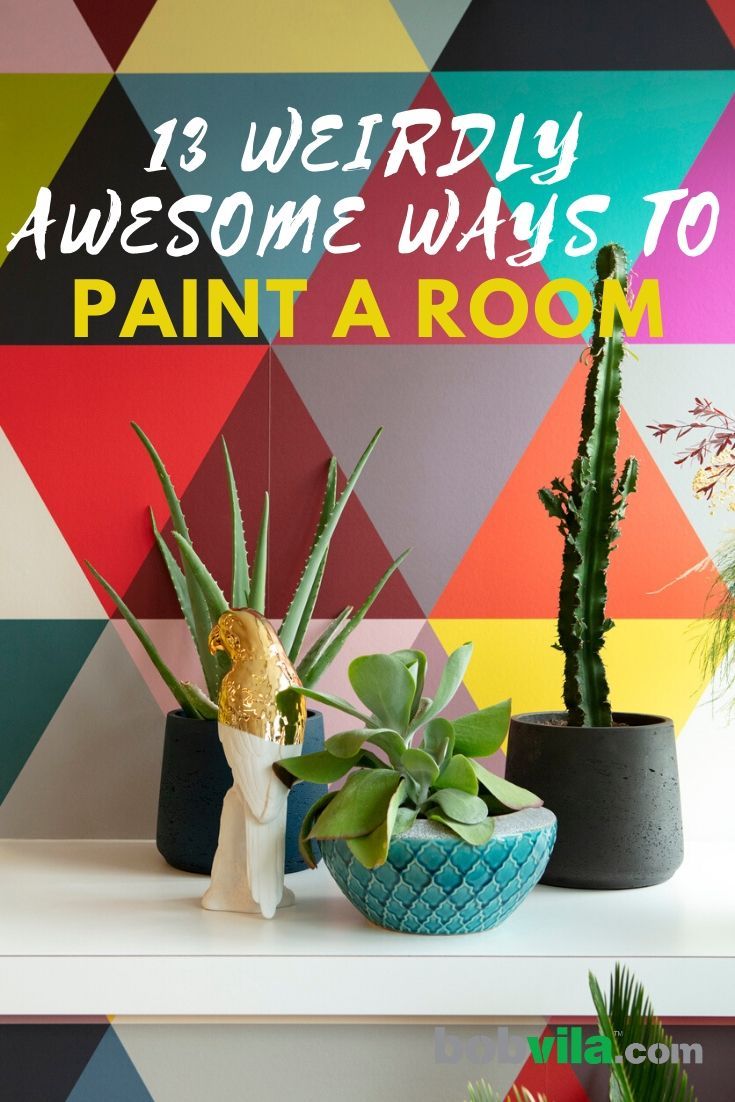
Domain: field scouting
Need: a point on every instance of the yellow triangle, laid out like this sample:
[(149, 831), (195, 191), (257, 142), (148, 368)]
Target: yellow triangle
[(289, 36), (651, 664), (40, 118)]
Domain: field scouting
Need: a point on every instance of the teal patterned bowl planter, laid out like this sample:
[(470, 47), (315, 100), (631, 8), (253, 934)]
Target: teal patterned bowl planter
[(434, 883)]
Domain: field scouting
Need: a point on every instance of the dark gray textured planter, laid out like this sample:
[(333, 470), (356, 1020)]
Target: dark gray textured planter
[(614, 791), (194, 779)]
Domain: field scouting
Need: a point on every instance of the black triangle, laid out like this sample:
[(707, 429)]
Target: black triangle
[(37, 296), (574, 34), (41, 1062)]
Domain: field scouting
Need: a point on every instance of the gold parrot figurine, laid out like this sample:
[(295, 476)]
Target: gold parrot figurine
[(247, 873)]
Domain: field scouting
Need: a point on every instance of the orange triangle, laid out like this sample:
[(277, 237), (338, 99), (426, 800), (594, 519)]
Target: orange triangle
[(513, 565)]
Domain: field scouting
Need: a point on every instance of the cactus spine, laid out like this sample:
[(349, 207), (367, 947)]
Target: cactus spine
[(589, 511)]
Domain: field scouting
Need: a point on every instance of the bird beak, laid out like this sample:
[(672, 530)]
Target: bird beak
[(215, 640)]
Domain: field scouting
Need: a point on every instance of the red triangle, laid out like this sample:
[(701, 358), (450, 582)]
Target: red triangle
[(296, 473), (555, 1080), (83, 457), (115, 31), (513, 565), (725, 14), (394, 277)]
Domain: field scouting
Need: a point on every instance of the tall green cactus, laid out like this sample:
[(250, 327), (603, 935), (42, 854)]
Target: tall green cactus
[(589, 512)]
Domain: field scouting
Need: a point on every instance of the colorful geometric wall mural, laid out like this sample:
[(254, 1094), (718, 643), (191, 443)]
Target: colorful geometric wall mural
[(473, 426)]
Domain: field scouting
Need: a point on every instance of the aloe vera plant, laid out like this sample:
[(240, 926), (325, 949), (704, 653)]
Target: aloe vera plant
[(202, 600), (429, 770), (589, 510)]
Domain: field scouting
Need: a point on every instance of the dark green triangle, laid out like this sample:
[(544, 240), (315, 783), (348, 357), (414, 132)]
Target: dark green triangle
[(39, 660)]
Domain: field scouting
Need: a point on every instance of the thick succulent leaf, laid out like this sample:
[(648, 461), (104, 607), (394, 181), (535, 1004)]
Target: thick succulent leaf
[(260, 561), (385, 686), (330, 652), (359, 806), (337, 702), (372, 849), (501, 794), (204, 591), (306, 846), (405, 818), (172, 682), (328, 504), (350, 742), (460, 806), (450, 681), (240, 565), (321, 767), (290, 624), (419, 766), (458, 773), (172, 500), (415, 660), (214, 598), (438, 740), (474, 833), (200, 702), (480, 734), (176, 574), (307, 663)]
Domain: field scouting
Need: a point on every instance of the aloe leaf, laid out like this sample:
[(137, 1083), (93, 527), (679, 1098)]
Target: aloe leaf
[(199, 700), (172, 682), (330, 500), (313, 654), (176, 575), (330, 652), (172, 500), (293, 619), (260, 561), (449, 682), (240, 566), (213, 602)]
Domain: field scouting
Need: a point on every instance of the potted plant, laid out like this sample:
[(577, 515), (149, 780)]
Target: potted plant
[(195, 775), (424, 838), (610, 778)]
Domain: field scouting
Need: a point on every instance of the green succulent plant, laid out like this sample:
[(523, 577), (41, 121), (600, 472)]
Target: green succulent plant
[(429, 769), (589, 511), (202, 601)]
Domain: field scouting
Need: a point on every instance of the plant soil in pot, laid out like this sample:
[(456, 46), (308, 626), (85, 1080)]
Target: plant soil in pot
[(194, 779), (614, 791)]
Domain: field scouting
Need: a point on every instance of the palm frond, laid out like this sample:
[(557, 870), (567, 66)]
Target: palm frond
[(483, 1092), (627, 1018)]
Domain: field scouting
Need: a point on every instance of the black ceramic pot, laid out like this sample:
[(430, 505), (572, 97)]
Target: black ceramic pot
[(194, 778), (614, 791)]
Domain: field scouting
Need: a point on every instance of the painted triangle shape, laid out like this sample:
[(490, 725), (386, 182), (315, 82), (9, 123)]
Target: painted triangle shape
[(394, 276), (43, 1060), (39, 660), (40, 576), (725, 15), (42, 116), (430, 25), (341, 36), (264, 100), (555, 1079), (173, 642), (31, 288), (495, 35), (453, 456), (615, 156), (89, 445), (98, 761), (111, 1075), (512, 567), (115, 35), (39, 37), (696, 302)]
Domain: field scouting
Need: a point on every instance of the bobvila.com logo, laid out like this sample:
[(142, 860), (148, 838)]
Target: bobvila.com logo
[(568, 1045)]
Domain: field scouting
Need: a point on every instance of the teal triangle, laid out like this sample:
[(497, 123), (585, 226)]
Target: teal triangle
[(230, 102), (110, 1075), (640, 133), (39, 660)]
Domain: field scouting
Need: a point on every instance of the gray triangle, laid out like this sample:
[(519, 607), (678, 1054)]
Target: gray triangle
[(430, 25), (456, 420), (96, 769)]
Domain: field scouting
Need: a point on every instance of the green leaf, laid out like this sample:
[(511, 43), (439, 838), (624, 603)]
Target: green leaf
[(338, 702), (504, 796), (335, 645), (359, 806), (176, 575), (438, 739), (200, 702), (476, 833), (449, 682), (240, 566), (350, 742), (311, 657), (458, 773), (306, 846), (328, 504), (372, 849), (290, 624), (405, 818), (260, 562), (214, 598), (177, 515), (321, 767), (415, 661), (385, 686), (480, 734), (459, 806), (179, 693), (420, 766)]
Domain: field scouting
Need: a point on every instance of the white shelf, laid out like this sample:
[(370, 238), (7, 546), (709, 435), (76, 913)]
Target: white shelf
[(108, 928)]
